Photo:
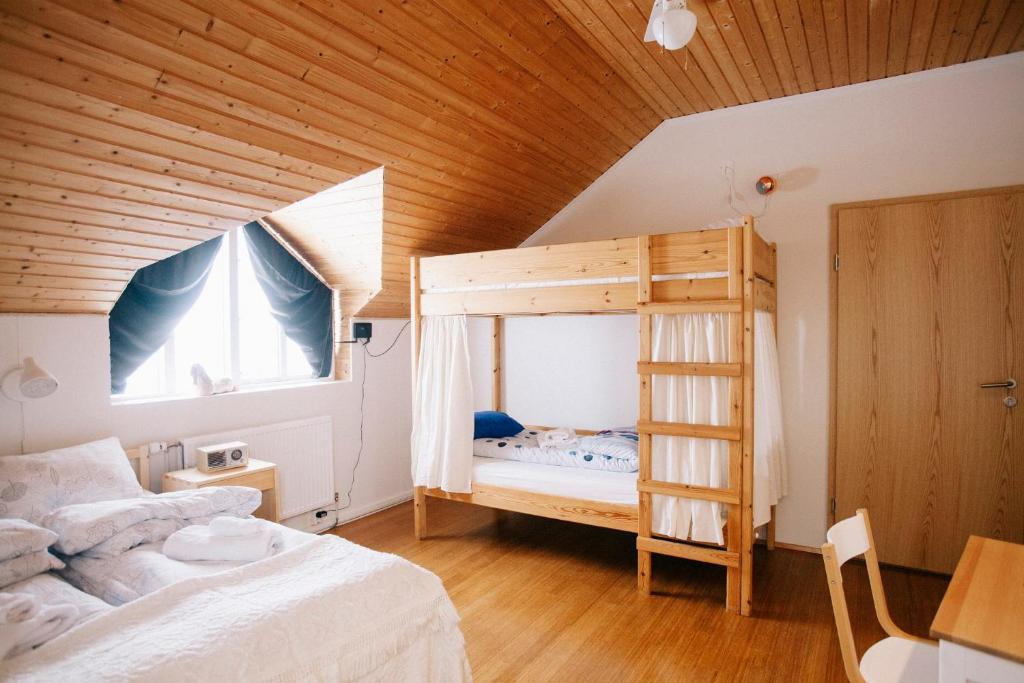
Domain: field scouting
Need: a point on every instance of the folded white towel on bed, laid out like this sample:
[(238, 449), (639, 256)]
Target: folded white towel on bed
[(44, 623), (563, 436), (235, 526), (199, 543)]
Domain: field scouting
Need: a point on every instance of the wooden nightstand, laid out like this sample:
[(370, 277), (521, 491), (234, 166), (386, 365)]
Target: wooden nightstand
[(258, 474)]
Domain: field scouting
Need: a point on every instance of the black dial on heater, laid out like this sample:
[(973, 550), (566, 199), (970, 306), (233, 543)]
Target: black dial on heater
[(236, 454)]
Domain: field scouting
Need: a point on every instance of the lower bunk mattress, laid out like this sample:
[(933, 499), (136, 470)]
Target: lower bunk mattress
[(567, 482)]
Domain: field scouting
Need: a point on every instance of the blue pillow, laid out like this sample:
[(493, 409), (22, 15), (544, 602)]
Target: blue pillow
[(491, 424)]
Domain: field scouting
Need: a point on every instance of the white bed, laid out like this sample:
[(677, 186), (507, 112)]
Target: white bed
[(321, 609), (568, 482)]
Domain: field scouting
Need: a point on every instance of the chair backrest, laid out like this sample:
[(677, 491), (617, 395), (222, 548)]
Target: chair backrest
[(847, 539)]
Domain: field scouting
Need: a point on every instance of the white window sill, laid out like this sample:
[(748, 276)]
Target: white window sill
[(244, 389)]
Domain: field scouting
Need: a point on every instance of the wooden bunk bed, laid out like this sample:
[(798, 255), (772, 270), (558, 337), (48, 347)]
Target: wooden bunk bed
[(646, 275)]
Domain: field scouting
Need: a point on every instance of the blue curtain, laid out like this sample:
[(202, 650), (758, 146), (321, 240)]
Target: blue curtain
[(298, 300), (150, 307)]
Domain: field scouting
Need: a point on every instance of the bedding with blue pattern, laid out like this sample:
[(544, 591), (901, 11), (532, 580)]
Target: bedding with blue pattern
[(613, 450)]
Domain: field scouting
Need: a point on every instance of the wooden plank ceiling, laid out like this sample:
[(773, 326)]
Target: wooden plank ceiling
[(132, 129)]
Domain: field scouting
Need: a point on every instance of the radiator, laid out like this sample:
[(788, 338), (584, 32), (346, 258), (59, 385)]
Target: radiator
[(302, 451)]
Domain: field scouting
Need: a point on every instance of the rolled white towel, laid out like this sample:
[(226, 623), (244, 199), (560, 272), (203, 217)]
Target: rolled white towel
[(197, 543), (17, 607), (236, 526), (48, 623), (563, 436)]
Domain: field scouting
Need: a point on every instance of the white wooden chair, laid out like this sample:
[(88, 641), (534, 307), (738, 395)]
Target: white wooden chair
[(901, 657)]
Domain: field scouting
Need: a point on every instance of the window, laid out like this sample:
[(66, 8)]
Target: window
[(229, 331)]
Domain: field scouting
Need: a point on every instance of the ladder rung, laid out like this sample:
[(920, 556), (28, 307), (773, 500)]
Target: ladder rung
[(708, 306), (696, 431), (668, 488), (698, 369), (688, 551)]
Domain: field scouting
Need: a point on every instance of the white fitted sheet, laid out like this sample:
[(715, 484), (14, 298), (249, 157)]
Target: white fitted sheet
[(570, 482)]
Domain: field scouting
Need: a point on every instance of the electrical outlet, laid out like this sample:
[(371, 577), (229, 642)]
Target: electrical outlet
[(362, 331)]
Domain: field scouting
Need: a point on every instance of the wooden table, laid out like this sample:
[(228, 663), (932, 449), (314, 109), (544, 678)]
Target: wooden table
[(980, 623), (257, 474)]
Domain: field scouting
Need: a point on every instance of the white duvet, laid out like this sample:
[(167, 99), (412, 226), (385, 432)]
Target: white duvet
[(326, 610), (145, 569)]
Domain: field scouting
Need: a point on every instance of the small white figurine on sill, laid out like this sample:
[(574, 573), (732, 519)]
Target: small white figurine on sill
[(206, 386)]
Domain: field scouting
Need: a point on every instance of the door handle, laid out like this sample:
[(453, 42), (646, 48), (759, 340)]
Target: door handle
[(1008, 384)]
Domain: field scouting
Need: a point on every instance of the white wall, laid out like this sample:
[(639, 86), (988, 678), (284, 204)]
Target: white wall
[(949, 129), (75, 348)]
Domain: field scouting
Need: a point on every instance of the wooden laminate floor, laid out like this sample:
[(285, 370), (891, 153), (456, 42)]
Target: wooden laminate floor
[(543, 600)]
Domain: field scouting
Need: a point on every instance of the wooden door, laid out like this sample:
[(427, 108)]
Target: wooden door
[(930, 305)]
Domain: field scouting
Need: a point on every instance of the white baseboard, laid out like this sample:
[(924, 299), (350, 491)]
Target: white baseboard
[(352, 514)]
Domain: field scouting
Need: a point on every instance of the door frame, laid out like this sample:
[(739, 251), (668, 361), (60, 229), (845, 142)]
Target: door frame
[(833, 313)]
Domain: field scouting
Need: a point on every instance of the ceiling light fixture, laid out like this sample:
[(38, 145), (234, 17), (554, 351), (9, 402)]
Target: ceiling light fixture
[(672, 25)]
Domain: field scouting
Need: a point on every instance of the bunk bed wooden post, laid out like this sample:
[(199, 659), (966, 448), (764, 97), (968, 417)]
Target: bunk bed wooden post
[(774, 273), (497, 329), (419, 492), (644, 509), (733, 578), (747, 498)]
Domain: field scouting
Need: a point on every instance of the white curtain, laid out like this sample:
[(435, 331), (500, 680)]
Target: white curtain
[(442, 423), (690, 338), (769, 444)]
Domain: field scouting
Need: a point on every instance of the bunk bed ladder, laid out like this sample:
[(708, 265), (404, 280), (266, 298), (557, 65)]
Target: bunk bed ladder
[(737, 555)]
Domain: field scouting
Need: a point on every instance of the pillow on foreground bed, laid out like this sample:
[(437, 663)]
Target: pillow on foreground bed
[(35, 484), (492, 424)]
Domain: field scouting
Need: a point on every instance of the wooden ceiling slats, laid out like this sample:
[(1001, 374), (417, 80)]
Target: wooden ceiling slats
[(990, 22), (38, 143), (901, 23), (410, 129), (1009, 30), (130, 131), (739, 49), (53, 306), (968, 18), (71, 258), (21, 292), (29, 174), (12, 189), (925, 15), (22, 206), (793, 30), (719, 50), (390, 79), (209, 159), (752, 36), (817, 47), (879, 22), (834, 13), (31, 283), (496, 22), (74, 229), (577, 13), (443, 61), (111, 276), (21, 237), (480, 62), (942, 32)]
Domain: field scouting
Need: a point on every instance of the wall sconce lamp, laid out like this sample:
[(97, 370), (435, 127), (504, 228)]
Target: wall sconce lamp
[(27, 381)]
